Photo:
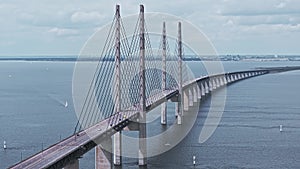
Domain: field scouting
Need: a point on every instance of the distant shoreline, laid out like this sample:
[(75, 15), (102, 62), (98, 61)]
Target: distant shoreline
[(188, 58)]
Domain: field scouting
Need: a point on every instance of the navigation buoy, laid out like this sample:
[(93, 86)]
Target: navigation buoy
[(194, 160), (280, 128), (4, 145)]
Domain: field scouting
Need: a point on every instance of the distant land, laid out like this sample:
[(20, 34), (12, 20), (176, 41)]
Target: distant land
[(186, 58)]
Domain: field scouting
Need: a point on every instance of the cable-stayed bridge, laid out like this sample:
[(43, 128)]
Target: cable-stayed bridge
[(129, 81)]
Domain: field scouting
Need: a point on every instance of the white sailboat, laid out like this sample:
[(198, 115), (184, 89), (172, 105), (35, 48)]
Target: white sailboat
[(66, 104)]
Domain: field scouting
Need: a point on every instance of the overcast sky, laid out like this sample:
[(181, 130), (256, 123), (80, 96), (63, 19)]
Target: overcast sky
[(54, 27)]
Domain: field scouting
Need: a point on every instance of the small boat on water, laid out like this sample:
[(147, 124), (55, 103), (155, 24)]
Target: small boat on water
[(66, 104)]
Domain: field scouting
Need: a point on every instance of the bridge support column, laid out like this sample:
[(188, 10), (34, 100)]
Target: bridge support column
[(195, 93), (228, 79), (224, 80), (206, 87), (198, 91), (163, 116), (210, 85), (214, 84), (179, 113), (191, 96), (218, 81), (73, 165), (235, 77), (221, 82), (117, 148), (142, 140), (186, 100), (202, 88)]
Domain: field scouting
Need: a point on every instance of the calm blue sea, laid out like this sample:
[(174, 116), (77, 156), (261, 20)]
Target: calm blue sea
[(33, 116)]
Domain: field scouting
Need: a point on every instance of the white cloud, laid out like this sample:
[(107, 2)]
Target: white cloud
[(281, 5), (258, 7), (35, 21), (63, 32), (87, 17)]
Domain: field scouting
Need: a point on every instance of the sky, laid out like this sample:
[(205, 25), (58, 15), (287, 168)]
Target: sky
[(61, 27)]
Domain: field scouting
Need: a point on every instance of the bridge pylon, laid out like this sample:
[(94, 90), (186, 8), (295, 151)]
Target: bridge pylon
[(117, 137), (164, 75), (181, 100), (142, 114)]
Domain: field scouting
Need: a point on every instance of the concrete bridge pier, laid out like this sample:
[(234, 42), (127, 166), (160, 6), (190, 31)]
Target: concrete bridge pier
[(230, 77), (239, 76), (163, 116), (195, 91), (179, 107), (227, 79), (221, 81), (186, 100), (242, 76), (210, 85), (142, 140), (202, 89), (214, 83), (235, 77), (191, 96), (206, 87), (117, 148), (198, 91), (218, 82), (224, 80)]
